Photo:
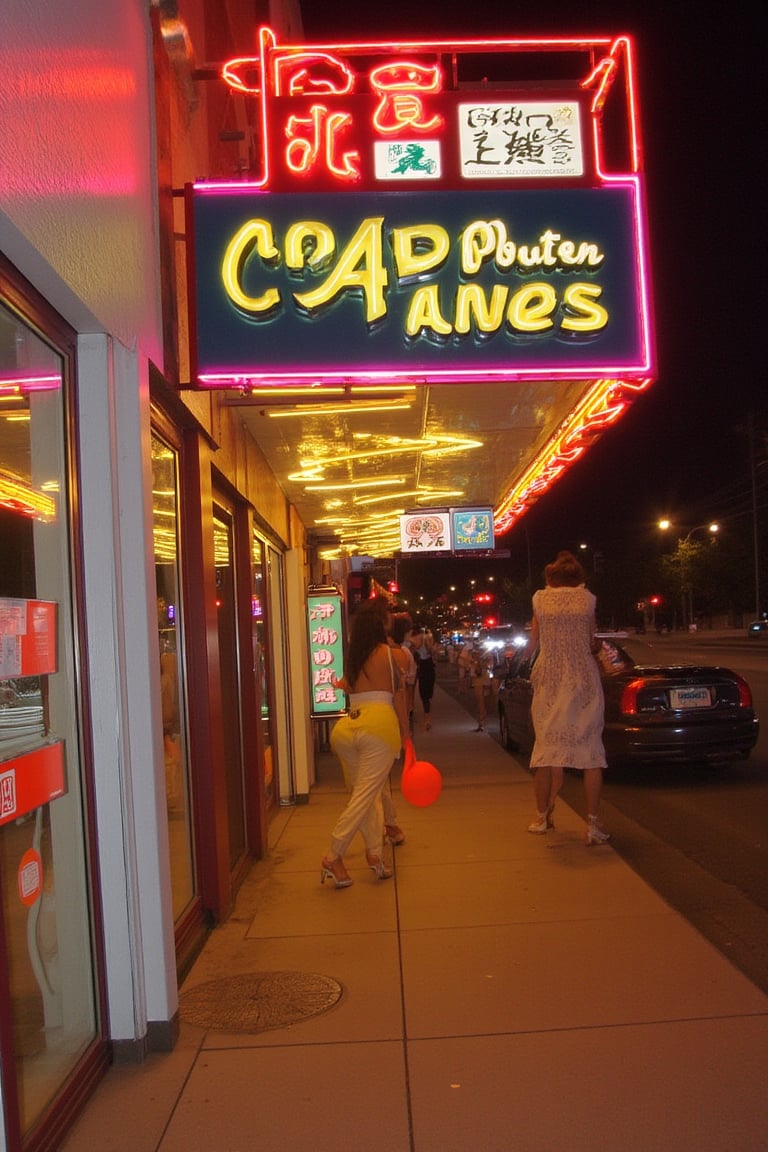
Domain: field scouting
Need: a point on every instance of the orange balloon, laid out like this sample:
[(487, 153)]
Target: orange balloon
[(421, 783)]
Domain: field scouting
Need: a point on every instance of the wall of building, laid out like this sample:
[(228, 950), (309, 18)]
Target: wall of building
[(79, 219)]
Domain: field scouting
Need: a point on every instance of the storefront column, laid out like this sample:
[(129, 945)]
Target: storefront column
[(138, 608), (296, 603), (125, 691)]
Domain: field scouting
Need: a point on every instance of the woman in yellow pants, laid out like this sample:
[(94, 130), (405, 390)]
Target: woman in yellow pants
[(367, 740)]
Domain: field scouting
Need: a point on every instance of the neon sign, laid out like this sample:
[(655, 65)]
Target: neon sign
[(406, 225), (430, 286), (326, 120)]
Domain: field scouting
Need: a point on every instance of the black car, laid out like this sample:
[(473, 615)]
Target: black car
[(653, 713), (758, 629)]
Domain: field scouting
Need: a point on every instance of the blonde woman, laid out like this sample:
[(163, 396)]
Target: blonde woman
[(568, 704)]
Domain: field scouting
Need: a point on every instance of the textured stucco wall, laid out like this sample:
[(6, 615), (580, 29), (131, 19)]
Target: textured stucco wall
[(76, 171)]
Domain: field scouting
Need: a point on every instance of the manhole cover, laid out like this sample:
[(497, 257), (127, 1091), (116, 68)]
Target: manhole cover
[(259, 1001)]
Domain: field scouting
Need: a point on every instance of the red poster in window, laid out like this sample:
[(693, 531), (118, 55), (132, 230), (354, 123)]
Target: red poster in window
[(29, 781), (27, 637)]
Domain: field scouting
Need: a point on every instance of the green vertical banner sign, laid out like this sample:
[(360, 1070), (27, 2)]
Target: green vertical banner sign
[(325, 624)]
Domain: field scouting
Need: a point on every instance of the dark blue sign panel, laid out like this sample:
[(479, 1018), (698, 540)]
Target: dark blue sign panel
[(441, 286)]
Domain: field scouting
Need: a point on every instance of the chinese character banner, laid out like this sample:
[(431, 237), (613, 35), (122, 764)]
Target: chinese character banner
[(437, 283), (446, 140), (326, 652)]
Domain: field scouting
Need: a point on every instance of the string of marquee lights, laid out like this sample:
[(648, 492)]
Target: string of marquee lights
[(603, 405)]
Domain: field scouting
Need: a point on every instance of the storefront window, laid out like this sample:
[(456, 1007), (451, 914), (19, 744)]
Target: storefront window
[(226, 604), (261, 660), (47, 982), (165, 505), (270, 649)]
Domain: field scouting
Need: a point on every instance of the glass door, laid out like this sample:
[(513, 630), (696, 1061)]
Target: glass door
[(165, 511), (226, 604), (261, 664), (48, 996), (270, 657)]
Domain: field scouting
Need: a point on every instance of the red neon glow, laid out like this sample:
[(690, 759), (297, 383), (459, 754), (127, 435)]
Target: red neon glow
[(311, 73), (316, 137), (293, 74), (601, 78), (400, 87), (237, 74), (13, 385), (605, 403)]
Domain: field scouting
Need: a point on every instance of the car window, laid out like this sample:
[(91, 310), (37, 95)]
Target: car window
[(613, 659)]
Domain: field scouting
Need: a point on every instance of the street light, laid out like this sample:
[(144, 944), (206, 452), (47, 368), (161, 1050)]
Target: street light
[(685, 583)]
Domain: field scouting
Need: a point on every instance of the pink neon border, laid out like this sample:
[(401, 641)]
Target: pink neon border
[(210, 378), (617, 46)]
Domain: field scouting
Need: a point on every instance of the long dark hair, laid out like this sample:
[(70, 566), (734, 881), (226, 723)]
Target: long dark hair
[(367, 630)]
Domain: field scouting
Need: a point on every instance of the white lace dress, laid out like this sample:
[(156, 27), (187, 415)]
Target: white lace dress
[(568, 705)]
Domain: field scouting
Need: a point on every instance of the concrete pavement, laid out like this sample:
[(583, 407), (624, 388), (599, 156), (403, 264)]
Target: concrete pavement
[(503, 992)]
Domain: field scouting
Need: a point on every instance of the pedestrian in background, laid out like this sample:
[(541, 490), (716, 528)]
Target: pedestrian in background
[(481, 684), (399, 629), (401, 626), (421, 648), (568, 705), (464, 664)]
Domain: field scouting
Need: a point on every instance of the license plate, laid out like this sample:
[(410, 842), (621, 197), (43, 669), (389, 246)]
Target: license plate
[(690, 698)]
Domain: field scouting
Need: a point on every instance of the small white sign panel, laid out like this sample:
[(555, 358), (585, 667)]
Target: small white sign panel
[(425, 532), (407, 160), (525, 139)]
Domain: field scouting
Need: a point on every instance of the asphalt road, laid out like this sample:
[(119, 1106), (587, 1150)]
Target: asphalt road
[(698, 835)]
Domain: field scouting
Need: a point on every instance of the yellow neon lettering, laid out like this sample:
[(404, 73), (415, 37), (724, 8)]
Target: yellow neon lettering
[(477, 242), (471, 304), (424, 312), (417, 250), (584, 314), (529, 255), (255, 234), (506, 250), (360, 267), (548, 240), (589, 254), (531, 308), (309, 243)]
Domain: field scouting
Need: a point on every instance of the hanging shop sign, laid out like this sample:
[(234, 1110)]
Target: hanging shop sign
[(325, 624), (452, 530), (362, 114), (402, 221), (433, 286)]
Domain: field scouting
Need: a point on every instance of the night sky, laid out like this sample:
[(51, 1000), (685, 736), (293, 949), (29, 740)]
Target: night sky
[(683, 449)]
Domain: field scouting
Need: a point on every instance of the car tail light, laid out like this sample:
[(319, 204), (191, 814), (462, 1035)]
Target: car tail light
[(629, 697), (745, 692)]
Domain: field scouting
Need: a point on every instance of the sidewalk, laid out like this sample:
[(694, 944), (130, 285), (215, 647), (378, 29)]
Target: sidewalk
[(503, 993)]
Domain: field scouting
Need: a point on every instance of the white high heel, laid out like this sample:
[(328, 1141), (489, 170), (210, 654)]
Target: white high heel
[(334, 870), (378, 867), (596, 834), (543, 822)]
